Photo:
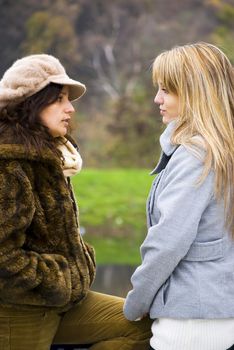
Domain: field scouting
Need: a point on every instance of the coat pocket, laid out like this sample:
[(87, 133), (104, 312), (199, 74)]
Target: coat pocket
[(165, 291), (205, 251)]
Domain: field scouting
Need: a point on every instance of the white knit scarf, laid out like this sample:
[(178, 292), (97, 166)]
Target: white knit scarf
[(72, 159)]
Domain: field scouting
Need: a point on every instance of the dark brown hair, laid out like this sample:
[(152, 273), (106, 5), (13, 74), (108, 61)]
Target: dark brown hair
[(24, 120)]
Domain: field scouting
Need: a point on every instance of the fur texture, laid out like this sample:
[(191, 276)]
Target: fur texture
[(43, 260)]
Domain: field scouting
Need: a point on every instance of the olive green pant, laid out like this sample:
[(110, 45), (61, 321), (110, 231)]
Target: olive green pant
[(98, 320)]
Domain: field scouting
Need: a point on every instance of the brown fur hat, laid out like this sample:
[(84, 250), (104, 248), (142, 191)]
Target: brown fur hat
[(30, 74)]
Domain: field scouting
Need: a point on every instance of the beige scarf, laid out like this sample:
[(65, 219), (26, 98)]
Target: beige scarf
[(72, 159)]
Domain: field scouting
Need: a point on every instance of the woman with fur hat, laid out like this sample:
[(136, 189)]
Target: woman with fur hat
[(46, 269), (186, 279)]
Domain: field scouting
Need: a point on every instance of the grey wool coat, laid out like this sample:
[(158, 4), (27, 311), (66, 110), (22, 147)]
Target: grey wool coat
[(44, 263), (187, 268)]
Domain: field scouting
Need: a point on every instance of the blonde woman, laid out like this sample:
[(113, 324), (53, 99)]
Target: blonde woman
[(186, 279)]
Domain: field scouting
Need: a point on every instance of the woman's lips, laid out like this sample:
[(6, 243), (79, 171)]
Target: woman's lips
[(66, 122)]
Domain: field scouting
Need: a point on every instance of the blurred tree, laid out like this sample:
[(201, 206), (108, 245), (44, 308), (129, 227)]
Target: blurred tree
[(52, 32), (117, 56), (135, 126), (223, 35), (13, 15)]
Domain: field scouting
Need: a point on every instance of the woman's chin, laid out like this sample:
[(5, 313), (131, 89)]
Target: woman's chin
[(59, 133)]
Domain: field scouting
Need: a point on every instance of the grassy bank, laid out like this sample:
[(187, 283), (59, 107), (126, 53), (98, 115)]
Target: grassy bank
[(112, 211)]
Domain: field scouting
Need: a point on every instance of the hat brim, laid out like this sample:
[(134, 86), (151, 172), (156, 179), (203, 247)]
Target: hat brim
[(76, 89)]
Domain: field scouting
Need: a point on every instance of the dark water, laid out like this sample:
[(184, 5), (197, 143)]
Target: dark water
[(113, 279)]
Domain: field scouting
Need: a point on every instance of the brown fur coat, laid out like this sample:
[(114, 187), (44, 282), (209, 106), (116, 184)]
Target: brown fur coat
[(43, 260)]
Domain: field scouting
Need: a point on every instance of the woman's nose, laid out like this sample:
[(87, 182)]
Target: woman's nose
[(158, 98), (70, 109)]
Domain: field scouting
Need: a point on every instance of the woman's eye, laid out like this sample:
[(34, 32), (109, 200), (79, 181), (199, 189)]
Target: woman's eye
[(60, 98), (164, 90)]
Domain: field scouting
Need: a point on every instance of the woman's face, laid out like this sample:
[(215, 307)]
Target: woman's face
[(57, 115), (168, 104)]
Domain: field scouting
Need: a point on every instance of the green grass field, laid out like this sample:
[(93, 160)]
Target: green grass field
[(112, 211)]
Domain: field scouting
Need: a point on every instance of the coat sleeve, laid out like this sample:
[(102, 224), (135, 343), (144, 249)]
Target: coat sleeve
[(26, 277), (181, 204)]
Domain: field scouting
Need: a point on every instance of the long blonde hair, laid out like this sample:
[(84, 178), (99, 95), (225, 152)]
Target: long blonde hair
[(202, 77)]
